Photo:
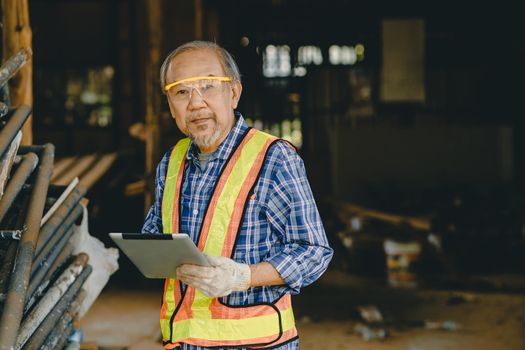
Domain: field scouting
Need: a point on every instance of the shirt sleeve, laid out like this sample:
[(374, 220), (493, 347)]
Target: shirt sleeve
[(303, 253), (153, 221)]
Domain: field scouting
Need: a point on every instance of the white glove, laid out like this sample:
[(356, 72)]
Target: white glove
[(220, 279)]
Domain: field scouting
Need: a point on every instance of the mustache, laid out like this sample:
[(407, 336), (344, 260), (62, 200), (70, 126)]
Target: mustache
[(199, 115)]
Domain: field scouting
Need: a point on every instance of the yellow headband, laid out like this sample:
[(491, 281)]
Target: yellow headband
[(169, 86)]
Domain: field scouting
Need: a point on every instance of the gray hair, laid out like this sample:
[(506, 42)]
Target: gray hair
[(227, 61)]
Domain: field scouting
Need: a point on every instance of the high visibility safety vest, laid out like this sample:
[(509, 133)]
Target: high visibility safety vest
[(192, 317)]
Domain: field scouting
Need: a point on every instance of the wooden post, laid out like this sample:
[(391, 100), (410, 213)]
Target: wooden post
[(152, 91), (198, 19), (185, 22), (17, 35)]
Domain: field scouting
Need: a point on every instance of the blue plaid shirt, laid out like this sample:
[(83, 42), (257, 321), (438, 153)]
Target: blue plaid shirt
[(281, 223)]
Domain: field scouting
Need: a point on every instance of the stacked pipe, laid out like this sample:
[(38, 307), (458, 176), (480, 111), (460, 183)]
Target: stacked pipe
[(40, 281)]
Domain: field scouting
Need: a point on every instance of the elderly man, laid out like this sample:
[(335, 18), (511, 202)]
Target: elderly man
[(243, 197)]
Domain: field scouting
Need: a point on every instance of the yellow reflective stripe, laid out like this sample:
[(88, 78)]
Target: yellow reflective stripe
[(169, 298), (201, 305), (231, 329), (177, 155), (224, 209), (170, 186), (165, 327)]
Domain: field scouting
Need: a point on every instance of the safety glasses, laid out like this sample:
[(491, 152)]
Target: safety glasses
[(206, 87)]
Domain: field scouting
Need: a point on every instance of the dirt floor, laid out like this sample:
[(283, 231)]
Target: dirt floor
[(327, 314)]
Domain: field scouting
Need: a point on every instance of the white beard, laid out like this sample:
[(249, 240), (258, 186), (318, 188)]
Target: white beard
[(206, 140)]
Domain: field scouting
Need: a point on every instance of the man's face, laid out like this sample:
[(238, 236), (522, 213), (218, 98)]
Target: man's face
[(206, 120)]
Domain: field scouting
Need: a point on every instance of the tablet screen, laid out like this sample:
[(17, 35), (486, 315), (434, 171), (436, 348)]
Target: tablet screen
[(159, 255)]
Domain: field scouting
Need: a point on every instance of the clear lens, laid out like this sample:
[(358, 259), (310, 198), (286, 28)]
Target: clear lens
[(206, 88)]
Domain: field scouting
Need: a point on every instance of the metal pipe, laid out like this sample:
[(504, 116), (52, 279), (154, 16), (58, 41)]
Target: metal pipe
[(63, 287), (16, 183), (64, 326), (4, 109), (7, 267), (16, 294), (58, 338), (42, 266), (58, 218), (42, 278), (13, 126), (72, 345), (11, 235), (62, 314), (4, 96), (57, 241), (12, 65), (59, 201)]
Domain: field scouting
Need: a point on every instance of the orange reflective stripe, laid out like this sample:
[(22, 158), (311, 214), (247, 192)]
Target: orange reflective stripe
[(169, 346), (164, 305), (220, 311), (184, 311)]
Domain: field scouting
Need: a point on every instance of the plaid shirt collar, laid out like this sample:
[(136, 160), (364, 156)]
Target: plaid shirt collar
[(226, 147)]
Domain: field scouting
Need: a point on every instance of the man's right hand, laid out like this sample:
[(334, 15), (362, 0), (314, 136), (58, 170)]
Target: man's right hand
[(220, 279)]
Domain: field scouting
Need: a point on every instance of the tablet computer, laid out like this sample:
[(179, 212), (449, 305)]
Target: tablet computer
[(159, 255)]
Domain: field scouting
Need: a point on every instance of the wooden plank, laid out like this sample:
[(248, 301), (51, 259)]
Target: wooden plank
[(81, 165), (98, 169), (61, 165), (421, 223)]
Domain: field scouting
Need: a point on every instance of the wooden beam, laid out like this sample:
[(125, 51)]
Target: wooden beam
[(420, 223), (152, 89), (17, 35), (198, 19)]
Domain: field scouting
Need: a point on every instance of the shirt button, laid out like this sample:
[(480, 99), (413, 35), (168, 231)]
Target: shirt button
[(195, 211)]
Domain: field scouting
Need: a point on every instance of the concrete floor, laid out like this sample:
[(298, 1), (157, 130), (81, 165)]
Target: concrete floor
[(326, 314)]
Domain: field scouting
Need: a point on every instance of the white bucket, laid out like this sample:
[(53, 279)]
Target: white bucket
[(400, 261)]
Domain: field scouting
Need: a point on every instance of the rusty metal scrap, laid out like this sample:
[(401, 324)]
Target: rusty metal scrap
[(64, 312), (16, 293), (12, 65), (4, 109), (22, 173), (51, 298), (44, 276), (42, 265), (40, 287), (13, 126), (13, 235), (58, 218)]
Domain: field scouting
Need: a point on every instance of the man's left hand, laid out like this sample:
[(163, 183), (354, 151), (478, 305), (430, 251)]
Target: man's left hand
[(220, 279)]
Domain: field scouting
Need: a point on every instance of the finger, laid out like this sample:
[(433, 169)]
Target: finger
[(195, 270), (194, 281), (205, 289), (216, 260)]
